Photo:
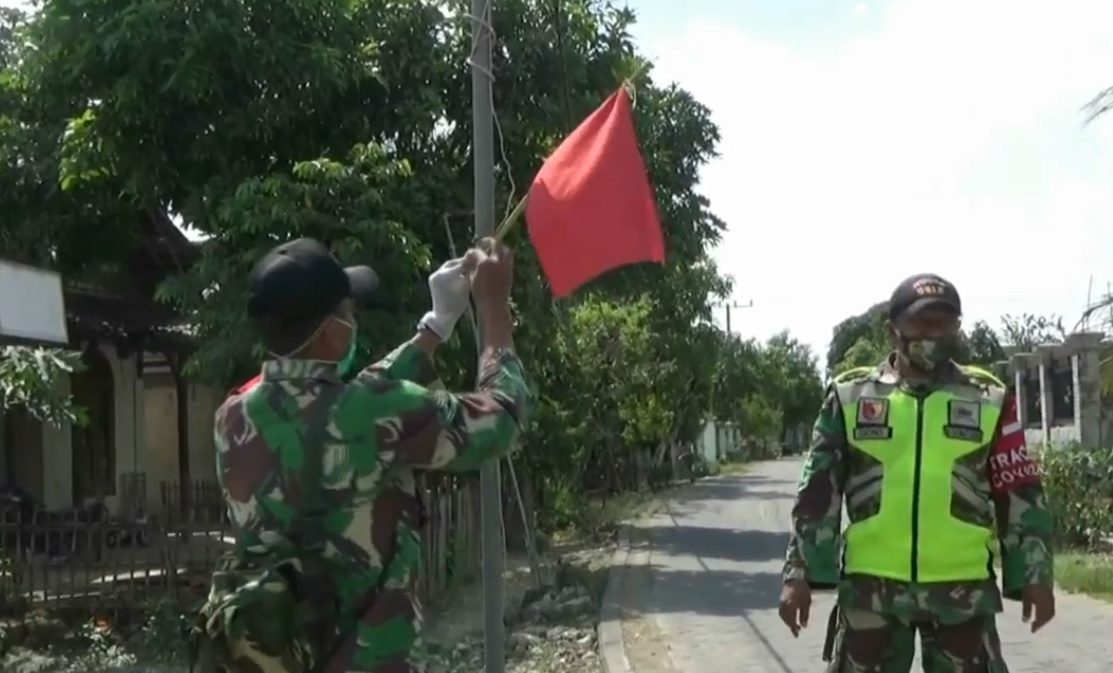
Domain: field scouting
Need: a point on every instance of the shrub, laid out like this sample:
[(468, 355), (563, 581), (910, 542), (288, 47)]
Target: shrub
[(1079, 485)]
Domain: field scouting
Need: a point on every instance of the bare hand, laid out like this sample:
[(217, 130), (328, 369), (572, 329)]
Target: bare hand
[(494, 273), (1038, 606), (796, 605)]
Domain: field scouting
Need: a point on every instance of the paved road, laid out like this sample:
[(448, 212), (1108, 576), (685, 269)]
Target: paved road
[(714, 577)]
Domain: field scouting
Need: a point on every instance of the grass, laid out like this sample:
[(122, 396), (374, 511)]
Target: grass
[(627, 506), (1090, 574), (602, 517)]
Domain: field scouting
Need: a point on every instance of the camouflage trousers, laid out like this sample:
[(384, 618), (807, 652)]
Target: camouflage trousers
[(868, 642)]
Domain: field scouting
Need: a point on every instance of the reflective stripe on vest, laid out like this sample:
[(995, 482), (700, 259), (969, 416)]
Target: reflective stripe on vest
[(913, 537)]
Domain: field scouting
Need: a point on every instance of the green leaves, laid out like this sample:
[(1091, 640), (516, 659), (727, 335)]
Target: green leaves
[(1079, 485), (33, 378), (350, 121), (862, 340), (767, 389), (342, 202)]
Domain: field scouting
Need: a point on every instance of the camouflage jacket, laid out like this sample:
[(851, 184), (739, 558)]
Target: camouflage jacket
[(1017, 507), (307, 462)]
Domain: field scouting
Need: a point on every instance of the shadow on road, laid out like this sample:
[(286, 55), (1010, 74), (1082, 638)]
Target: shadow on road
[(722, 492), (695, 563), (711, 592), (719, 593), (734, 487), (715, 543)]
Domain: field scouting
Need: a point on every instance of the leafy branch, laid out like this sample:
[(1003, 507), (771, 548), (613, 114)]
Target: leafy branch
[(32, 378)]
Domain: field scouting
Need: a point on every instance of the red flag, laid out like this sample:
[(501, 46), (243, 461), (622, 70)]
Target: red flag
[(590, 209)]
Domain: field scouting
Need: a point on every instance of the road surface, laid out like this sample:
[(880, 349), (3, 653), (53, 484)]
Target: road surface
[(707, 578)]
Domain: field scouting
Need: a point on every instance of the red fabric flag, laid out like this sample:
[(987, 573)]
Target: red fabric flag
[(590, 209)]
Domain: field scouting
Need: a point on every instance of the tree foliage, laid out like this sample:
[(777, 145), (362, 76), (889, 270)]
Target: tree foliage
[(1026, 331), (862, 340), (770, 387), (32, 379), (350, 121)]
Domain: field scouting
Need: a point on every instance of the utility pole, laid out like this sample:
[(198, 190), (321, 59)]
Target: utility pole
[(490, 479), (728, 305), (733, 304)]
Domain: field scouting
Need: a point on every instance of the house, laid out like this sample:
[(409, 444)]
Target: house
[(147, 425)]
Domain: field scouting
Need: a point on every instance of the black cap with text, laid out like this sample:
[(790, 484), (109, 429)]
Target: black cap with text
[(923, 291)]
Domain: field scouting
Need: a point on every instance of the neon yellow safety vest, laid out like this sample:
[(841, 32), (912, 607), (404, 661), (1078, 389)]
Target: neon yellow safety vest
[(924, 448)]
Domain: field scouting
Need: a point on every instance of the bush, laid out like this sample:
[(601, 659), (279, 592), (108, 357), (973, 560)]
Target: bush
[(1079, 486), (46, 642)]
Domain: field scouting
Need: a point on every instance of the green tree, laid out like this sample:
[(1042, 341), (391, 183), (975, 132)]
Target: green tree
[(799, 388), (865, 352), (1026, 331), (349, 121), (766, 389), (861, 340), (30, 378), (868, 325), (982, 346)]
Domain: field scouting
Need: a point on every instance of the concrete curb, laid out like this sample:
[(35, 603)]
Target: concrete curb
[(612, 646)]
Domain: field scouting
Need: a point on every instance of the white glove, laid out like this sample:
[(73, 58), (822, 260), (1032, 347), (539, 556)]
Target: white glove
[(450, 287)]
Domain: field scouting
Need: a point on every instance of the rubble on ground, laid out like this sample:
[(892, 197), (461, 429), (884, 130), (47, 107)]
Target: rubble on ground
[(552, 631)]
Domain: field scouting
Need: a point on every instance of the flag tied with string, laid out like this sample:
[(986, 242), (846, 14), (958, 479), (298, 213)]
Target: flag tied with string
[(591, 209)]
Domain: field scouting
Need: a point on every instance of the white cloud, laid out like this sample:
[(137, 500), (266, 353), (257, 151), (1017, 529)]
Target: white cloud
[(946, 137)]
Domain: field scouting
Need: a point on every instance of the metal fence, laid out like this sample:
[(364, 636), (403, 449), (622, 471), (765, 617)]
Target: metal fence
[(88, 561)]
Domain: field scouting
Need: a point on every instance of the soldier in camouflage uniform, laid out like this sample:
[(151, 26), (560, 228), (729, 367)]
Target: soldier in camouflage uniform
[(930, 460), (317, 472)]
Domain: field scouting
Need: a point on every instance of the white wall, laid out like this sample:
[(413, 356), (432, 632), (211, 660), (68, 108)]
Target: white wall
[(57, 460), (145, 436), (131, 444), (161, 424)]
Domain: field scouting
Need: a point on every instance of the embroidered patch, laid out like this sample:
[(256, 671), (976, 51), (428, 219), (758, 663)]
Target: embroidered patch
[(873, 432), (873, 411), (963, 433), (964, 414)]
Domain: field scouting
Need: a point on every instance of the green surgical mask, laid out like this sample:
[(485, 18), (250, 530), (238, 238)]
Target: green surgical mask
[(345, 364)]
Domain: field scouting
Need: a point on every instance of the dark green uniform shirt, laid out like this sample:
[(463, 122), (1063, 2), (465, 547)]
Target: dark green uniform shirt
[(307, 460)]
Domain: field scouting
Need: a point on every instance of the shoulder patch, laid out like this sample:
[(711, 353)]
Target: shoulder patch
[(982, 377)]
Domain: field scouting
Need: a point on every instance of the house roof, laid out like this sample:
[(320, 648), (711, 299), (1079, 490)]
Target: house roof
[(95, 314), (124, 309)]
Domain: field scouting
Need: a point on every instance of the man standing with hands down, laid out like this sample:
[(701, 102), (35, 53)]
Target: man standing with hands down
[(317, 472), (931, 462)]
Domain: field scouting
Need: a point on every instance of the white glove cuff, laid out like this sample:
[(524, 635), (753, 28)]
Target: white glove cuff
[(437, 325)]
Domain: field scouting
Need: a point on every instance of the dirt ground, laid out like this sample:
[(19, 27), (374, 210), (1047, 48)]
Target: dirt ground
[(550, 622)]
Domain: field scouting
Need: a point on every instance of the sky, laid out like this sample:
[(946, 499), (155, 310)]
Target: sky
[(863, 142)]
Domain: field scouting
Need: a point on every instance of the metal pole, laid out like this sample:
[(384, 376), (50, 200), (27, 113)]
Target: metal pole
[(490, 483), (733, 304)]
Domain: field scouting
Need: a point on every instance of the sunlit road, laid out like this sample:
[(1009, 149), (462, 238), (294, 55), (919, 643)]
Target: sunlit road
[(715, 558)]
